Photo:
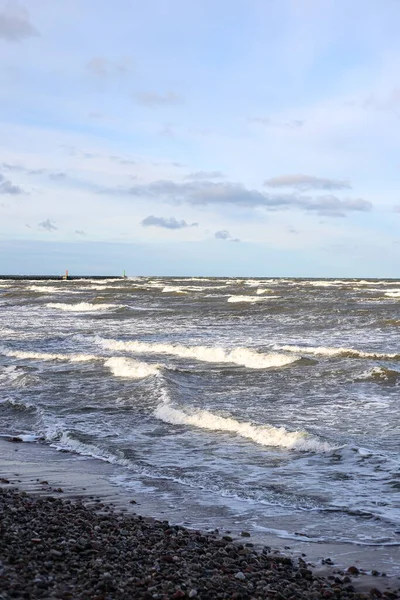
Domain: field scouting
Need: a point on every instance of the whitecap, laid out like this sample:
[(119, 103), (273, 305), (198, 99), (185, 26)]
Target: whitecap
[(240, 356)]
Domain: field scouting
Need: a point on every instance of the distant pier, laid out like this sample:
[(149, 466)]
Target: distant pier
[(58, 277)]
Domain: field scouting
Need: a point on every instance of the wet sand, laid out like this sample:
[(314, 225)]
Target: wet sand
[(44, 474)]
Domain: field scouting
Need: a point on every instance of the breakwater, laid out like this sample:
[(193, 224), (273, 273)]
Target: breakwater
[(57, 277)]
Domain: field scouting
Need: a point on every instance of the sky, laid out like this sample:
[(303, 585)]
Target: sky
[(201, 137)]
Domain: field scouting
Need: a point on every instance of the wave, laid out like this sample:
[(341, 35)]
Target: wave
[(45, 289), (15, 377), (129, 368), (240, 356), (49, 356), (173, 289), (251, 299), (345, 352), (380, 375), (82, 306), (393, 294), (265, 435)]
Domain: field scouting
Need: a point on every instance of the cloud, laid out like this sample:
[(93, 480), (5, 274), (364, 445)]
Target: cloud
[(57, 176), (396, 208), (203, 193), (15, 24), (307, 182), (102, 67), (200, 175), (267, 122), (48, 225), (153, 99), (223, 234), (80, 232), (6, 187), (22, 169), (166, 223)]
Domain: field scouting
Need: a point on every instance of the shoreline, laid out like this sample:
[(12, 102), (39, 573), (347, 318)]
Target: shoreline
[(42, 472)]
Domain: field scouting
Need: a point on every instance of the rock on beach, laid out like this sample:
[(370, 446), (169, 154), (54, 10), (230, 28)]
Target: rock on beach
[(60, 549)]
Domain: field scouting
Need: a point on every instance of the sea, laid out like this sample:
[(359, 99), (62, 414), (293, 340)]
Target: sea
[(272, 402)]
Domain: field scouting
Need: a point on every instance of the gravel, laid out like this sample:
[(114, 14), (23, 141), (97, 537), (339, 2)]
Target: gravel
[(57, 548)]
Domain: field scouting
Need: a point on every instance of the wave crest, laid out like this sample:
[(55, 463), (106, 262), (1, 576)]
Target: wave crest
[(265, 435), (240, 356), (81, 306), (129, 368)]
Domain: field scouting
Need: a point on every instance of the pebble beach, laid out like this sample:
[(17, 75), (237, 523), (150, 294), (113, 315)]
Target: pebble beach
[(51, 547)]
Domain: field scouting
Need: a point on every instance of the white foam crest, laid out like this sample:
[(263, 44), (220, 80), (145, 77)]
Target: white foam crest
[(240, 356), (250, 299), (127, 367), (173, 289), (265, 435), (346, 352), (82, 306), (393, 294), (49, 356), (263, 291), (45, 289), (64, 441)]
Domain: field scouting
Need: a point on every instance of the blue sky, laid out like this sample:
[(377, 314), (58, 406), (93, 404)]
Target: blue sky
[(244, 137)]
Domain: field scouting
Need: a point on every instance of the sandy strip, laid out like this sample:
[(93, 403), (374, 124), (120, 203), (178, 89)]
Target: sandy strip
[(70, 534)]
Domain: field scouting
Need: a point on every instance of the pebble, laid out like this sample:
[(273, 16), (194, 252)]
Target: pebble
[(57, 549)]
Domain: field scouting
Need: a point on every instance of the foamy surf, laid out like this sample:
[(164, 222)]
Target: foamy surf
[(81, 306), (265, 435), (251, 299), (345, 352), (173, 289), (49, 356), (240, 356), (129, 368)]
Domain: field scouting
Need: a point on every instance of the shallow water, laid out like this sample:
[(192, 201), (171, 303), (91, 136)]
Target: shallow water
[(276, 399)]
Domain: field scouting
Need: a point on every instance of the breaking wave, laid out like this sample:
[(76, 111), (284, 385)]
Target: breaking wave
[(240, 356), (265, 435), (81, 306), (345, 352), (173, 289), (250, 299), (49, 356), (45, 289), (129, 368), (380, 375)]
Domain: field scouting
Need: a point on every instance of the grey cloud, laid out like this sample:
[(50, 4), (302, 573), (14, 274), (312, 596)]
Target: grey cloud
[(15, 24), (396, 208), (102, 67), (166, 223), (48, 225), (153, 99), (57, 176), (307, 182), (267, 122), (6, 187), (200, 175), (80, 232), (205, 193), (122, 161), (223, 234), (22, 169)]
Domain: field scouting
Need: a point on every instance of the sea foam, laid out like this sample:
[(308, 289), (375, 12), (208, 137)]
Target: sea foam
[(240, 356), (345, 352), (251, 299), (129, 368), (265, 435), (81, 306)]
